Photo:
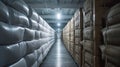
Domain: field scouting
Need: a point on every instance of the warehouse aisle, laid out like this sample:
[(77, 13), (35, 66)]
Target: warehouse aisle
[(58, 57)]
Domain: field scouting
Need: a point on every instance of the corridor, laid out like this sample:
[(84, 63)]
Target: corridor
[(58, 57)]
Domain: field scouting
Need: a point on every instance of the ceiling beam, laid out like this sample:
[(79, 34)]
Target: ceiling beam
[(48, 19), (53, 5), (54, 16), (56, 21)]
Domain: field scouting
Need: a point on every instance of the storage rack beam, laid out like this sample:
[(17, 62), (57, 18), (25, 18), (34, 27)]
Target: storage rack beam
[(54, 16), (53, 5), (53, 21)]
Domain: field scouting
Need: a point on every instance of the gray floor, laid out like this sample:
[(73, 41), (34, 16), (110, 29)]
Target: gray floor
[(58, 57)]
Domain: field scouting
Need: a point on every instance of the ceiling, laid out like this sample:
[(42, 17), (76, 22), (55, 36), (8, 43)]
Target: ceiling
[(48, 9)]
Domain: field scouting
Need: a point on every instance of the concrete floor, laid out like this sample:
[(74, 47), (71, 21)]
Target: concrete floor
[(58, 57)]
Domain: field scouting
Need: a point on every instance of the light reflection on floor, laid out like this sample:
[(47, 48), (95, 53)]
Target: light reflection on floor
[(58, 56)]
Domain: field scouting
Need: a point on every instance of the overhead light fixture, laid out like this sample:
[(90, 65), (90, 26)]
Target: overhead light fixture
[(58, 24), (58, 15), (58, 29)]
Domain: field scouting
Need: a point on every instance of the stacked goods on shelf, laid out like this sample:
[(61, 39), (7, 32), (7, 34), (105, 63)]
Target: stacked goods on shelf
[(93, 14), (111, 36), (78, 36), (73, 34), (25, 37), (71, 37), (88, 34), (66, 36)]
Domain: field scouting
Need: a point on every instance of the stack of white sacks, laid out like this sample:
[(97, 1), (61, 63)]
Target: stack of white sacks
[(25, 38)]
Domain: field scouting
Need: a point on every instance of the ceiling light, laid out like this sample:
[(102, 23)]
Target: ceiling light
[(58, 29), (58, 16), (58, 24)]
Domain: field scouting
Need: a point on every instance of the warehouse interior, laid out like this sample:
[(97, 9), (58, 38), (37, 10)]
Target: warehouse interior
[(48, 9), (59, 33)]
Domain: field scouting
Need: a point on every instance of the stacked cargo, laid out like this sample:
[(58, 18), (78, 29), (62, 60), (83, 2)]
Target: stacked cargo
[(74, 36), (93, 14), (47, 36), (66, 37), (89, 34), (78, 36), (25, 38), (111, 36), (88, 57)]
